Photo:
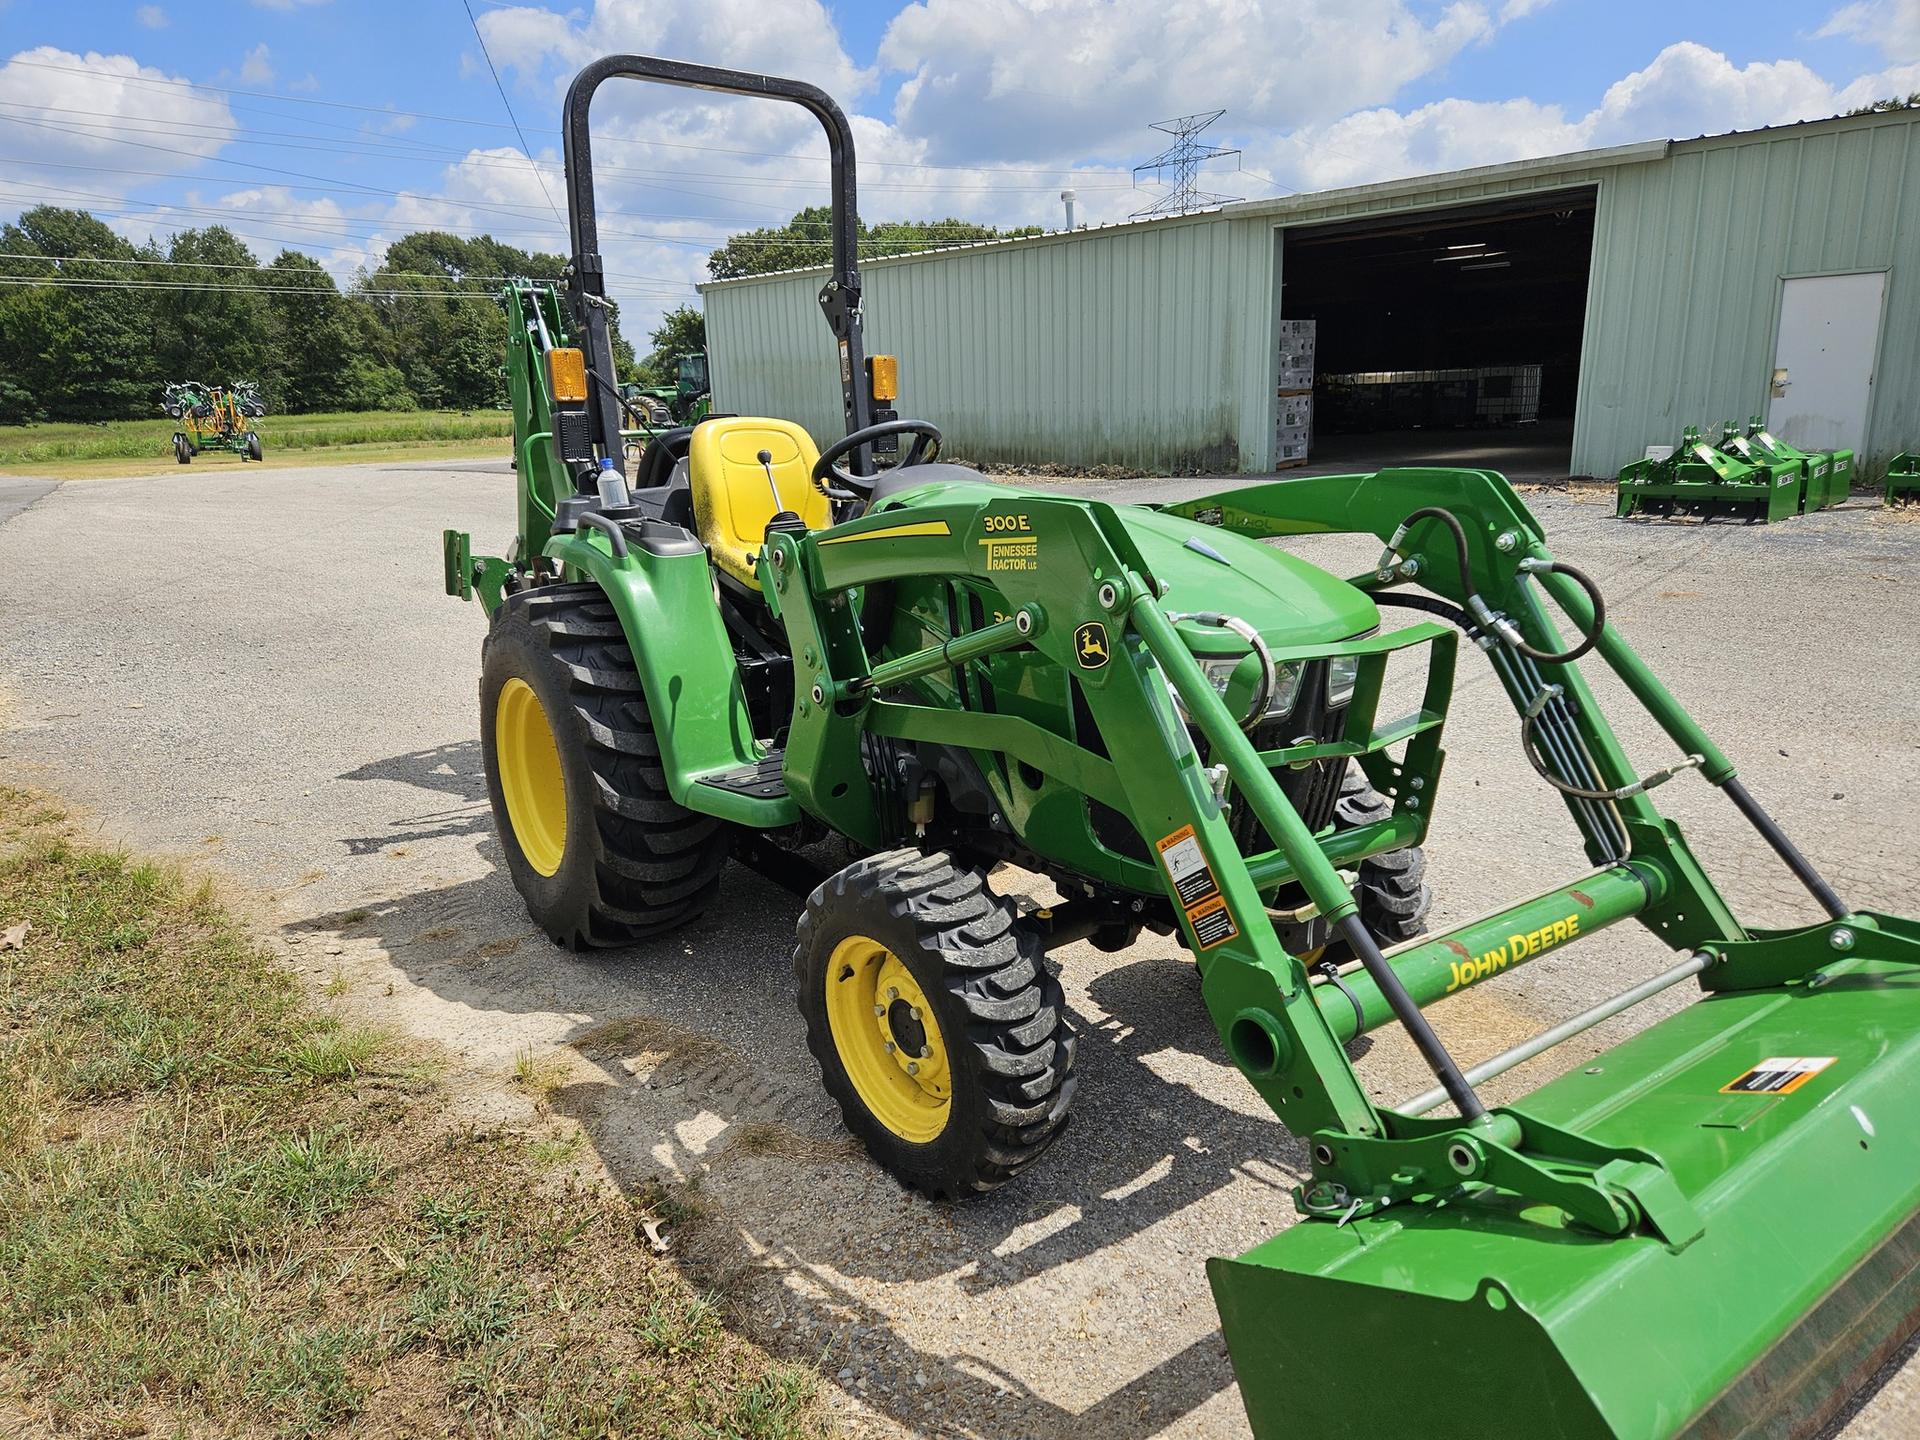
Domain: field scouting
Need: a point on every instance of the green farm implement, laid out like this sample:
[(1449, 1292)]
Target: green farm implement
[(1752, 476), (214, 417), (748, 645), (1826, 476), (1903, 479), (1711, 483)]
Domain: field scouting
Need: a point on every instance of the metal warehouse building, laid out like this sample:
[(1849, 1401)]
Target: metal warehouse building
[(1637, 289)]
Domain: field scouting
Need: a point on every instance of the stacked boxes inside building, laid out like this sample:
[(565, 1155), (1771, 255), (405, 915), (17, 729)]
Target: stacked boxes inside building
[(1293, 424)]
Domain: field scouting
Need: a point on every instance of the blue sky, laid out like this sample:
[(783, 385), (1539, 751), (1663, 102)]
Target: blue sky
[(338, 125)]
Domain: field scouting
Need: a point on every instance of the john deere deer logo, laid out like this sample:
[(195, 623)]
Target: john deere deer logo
[(1090, 645)]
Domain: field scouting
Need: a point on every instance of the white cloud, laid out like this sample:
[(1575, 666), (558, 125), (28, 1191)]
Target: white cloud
[(1690, 90), (1890, 26), (1687, 90), (65, 108), (151, 17), (792, 37), (256, 68), (1049, 79)]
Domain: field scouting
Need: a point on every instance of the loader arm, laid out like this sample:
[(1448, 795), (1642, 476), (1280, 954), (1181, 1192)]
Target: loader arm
[(1282, 1030)]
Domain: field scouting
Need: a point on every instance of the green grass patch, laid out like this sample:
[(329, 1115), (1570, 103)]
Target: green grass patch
[(145, 439), (224, 1213)]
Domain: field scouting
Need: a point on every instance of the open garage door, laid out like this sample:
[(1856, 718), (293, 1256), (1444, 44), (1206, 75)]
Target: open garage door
[(1449, 336)]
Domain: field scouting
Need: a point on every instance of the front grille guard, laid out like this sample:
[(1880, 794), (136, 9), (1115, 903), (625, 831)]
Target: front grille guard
[(1408, 781)]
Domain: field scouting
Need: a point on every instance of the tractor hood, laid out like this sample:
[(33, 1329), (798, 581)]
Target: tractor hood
[(1289, 601)]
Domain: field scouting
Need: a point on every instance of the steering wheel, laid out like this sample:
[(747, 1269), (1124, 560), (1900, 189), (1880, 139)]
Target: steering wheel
[(925, 448)]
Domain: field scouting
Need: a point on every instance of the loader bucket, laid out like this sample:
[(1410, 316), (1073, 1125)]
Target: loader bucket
[(1479, 1320)]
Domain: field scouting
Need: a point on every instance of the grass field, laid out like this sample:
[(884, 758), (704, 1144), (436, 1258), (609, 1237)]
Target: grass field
[(223, 1212), (29, 448)]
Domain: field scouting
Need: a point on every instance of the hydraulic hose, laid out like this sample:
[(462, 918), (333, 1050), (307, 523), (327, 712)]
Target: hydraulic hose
[(1478, 607), (1482, 618), (1450, 613)]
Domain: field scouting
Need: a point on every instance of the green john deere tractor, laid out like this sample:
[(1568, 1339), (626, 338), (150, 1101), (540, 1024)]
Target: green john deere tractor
[(685, 402), (750, 644)]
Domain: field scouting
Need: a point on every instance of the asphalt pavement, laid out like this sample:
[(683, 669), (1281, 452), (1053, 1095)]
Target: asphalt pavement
[(259, 671)]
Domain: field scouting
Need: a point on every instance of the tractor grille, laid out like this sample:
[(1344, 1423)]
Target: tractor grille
[(1313, 790)]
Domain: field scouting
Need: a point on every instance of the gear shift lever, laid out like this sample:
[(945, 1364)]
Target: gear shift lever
[(783, 519)]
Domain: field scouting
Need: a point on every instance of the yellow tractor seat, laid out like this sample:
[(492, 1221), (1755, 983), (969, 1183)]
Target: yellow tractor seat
[(732, 501)]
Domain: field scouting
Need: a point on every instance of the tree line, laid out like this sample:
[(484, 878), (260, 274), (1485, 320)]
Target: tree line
[(111, 323), (92, 326)]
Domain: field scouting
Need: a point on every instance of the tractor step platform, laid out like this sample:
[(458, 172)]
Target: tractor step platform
[(765, 780)]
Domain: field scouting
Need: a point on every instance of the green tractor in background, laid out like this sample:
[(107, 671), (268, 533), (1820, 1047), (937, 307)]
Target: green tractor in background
[(751, 644), (686, 402)]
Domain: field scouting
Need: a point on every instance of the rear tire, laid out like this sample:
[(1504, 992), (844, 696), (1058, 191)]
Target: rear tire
[(254, 450), (182, 452), (596, 846), (906, 958)]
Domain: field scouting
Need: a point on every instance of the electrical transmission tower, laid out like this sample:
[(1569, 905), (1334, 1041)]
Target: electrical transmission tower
[(1183, 158)]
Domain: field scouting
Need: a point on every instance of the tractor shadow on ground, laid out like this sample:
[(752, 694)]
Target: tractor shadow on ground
[(455, 770), (686, 1067)]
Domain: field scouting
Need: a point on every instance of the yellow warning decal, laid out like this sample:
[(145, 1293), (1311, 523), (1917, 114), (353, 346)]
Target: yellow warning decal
[(1199, 892), (1212, 923), (891, 532), (1778, 1075)]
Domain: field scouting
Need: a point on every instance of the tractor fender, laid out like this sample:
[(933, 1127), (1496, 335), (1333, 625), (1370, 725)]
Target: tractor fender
[(684, 657)]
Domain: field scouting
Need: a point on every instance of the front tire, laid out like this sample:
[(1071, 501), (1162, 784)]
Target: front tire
[(1392, 889), (254, 450), (937, 1026), (597, 847)]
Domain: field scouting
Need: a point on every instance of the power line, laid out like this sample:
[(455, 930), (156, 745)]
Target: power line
[(390, 113), (16, 282), (422, 152), (700, 241), (525, 148), (237, 265)]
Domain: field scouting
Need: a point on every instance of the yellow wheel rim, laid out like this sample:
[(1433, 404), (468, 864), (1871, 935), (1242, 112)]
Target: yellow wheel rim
[(888, 1040), (530, 776)]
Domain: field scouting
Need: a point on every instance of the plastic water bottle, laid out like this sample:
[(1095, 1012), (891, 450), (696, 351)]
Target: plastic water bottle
[(613, 486)]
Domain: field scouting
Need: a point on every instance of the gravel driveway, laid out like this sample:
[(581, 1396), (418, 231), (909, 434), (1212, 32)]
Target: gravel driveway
[(259, 670)]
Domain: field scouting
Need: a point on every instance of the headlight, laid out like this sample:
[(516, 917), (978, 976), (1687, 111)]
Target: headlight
[(1342, 673), (1219, 670)]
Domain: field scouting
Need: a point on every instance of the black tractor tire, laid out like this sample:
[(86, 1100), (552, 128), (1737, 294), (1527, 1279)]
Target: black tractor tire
[(1392, 889), (999, 1033), (634, 863), (254, 450), (182, 451)]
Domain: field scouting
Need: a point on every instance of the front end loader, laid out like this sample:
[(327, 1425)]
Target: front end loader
[(749, 644)]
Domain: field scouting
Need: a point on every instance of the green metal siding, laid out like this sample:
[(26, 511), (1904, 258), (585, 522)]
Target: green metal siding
[(1689, 256), (1142, 345), (1150, 346)]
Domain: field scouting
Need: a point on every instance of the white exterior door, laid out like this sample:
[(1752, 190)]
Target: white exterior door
[(1823, 364)]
